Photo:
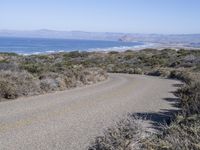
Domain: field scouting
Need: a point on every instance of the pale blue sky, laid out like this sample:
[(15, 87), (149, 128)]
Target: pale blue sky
[(135, 16)]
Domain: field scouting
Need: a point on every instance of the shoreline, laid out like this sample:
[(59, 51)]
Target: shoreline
[(121, 49), (158, 46)]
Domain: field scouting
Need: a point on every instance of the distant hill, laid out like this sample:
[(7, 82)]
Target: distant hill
[(162, 38), (170, 40), (44, 33), (187, 39)]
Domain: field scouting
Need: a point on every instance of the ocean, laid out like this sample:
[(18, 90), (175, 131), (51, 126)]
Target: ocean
[(27, 46)]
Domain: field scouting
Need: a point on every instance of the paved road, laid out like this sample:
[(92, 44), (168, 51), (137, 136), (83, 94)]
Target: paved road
[(68, 120)]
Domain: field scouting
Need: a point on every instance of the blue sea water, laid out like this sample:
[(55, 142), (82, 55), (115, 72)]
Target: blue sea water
[(40, 45)]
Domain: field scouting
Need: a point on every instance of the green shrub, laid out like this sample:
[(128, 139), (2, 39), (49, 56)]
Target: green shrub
[(138, 71), (8, 54), (160, 72), (183, 52), (180, 75), (128, 57), (190, 98), (113, 52), (75, 54), (34, 68)]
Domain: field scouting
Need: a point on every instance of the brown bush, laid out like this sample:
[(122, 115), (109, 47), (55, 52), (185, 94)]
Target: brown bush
[(8, 90), (126, 133), (160, 72), (14, 84), (181, 75), (182, 134)]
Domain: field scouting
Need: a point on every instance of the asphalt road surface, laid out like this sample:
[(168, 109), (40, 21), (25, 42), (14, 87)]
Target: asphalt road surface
[(69, 120)]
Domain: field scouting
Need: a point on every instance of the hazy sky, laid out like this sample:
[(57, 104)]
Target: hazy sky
[(135, 16)]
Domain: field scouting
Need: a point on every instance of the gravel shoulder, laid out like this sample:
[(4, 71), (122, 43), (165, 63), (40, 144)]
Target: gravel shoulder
[(68, 120)]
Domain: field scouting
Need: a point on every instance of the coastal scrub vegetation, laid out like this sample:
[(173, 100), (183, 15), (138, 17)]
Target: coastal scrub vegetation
[(122, 135), (38, 74)]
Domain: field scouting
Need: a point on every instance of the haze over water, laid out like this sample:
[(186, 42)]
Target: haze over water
[(39, 45)]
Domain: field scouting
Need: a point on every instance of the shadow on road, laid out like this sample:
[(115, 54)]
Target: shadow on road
[(163, 117)]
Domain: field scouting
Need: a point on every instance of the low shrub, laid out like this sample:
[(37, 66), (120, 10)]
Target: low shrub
[(88, 76), (126, 133), (182, 134), (14, 84), (33, 67), (75, 54), (138, 71), (180, 75), (113, 52), (9, 66), (8, 54), (160, 72), (54, 81), (190, 98), (49, 84), (8, 90)]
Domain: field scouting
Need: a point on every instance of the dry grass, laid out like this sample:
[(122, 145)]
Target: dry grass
[(190, 98), (14, 84), (182, 134), (124, 135)]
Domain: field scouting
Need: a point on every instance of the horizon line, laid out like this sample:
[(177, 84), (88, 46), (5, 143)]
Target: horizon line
[(43, 29)]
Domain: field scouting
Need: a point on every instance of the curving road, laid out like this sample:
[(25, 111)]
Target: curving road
[(68, 120)]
